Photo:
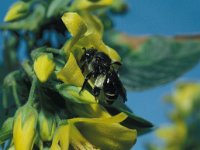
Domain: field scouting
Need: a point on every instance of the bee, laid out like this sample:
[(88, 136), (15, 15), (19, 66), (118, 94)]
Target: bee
[(106, 79)]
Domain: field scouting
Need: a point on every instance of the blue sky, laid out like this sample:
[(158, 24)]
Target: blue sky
[(160, 17)]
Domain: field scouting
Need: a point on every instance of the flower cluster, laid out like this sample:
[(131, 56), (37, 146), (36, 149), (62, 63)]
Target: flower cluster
[(54, 115), (181, 134)]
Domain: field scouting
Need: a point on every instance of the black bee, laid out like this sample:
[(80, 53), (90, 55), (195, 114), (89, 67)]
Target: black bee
[(101, 68)]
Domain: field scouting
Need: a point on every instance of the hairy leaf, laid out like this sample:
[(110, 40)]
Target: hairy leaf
[(156, 61)]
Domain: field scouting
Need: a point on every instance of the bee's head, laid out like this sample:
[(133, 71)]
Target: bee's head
[(88, 54)]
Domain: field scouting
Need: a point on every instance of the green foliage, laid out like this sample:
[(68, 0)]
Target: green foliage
[(159, 60), (6, 130)]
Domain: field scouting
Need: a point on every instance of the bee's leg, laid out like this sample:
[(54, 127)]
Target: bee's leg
[(117, 63), (89, 75), (83, 67), (96, 91)]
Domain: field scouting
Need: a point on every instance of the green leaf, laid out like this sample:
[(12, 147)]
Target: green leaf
[(159, 60), (134, 122), (71, 93), (6, 130)]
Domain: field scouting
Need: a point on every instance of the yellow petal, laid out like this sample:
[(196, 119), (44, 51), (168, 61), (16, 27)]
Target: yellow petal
[(17, 11), (43, 67), (61, 138), (108, 133), (24, 130), (75, 25), (89, 5), (71, 73), (94, 40), (115, 119), (90, 111), (93, 23), (78, 141), (81, 38)]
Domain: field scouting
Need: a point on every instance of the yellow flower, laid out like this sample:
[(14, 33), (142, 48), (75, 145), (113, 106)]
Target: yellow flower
[(47, 125), (91, 36), (95, 133), (17, 11), (24, 129), (185, 96), (44, 66), (173, 135)]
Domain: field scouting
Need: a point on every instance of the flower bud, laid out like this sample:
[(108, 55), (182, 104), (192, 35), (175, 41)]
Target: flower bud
[(47, 125), (44, 66), (24, 129), (17, 11)]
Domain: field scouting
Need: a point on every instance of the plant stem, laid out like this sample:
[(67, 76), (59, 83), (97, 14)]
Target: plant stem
[(31, 97), (14, 90), (27, 68), (55, 51)]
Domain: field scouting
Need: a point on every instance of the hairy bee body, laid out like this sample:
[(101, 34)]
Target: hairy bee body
[(100, 67)]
